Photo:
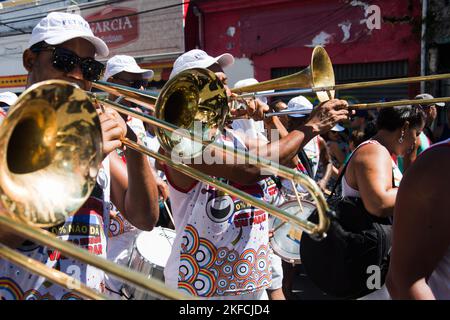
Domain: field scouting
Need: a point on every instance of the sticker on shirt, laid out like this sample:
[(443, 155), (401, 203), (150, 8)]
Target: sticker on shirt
[(221, 207)]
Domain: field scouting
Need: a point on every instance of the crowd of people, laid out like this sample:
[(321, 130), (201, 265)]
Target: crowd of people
[(222, 248)]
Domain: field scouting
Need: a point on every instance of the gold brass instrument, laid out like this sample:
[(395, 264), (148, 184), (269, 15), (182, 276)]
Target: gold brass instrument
[(318, 78), (50, 151), (317, 75), (140, 97), (66, 149), (50, 148), (207, 106), (372, 105), (69, 120)]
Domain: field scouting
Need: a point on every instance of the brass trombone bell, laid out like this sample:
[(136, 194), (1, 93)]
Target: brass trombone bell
[(319, 74), (195, 100), (50, 152)]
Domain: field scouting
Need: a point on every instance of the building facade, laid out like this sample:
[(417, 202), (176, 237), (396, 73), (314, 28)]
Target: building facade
[(152, 31), (366, 40)]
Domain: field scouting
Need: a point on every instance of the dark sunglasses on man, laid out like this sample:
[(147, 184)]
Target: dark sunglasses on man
[(136, 84), (66, 60)]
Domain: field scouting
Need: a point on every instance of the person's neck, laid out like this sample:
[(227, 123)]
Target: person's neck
[(386, 139)]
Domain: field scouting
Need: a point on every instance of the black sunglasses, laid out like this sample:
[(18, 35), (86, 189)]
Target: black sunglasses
[(136, 84), (66, 61)]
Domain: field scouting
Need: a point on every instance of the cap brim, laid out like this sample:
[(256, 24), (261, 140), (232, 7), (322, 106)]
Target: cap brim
[(225, 60), (101, 49), (8, 99), (9, 102), (196, 64), (147, 73)]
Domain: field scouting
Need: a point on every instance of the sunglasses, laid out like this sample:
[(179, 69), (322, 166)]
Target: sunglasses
[(65, 60), (136, 84)]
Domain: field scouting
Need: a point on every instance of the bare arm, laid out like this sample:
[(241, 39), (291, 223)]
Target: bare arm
[(323, 118), (421, 228), (133, 189), (230, 168), (337, 153), (283, 133), (133, 186), (325, 158), (370, 172)]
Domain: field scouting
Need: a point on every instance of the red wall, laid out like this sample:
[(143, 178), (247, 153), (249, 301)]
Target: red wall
[(275, 33)]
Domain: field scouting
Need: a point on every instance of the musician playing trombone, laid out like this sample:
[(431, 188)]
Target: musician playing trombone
[(62, 46), (221, 247)]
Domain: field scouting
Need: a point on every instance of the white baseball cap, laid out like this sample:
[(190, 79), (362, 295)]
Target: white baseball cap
[(249, 82), (429, 96), (299, 103), (59, 27), (120, 63), (245, 82), (197, 58), (8, 97)]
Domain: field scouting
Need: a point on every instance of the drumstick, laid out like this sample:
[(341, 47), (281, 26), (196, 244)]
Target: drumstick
[(297, 196), (168, 212), (281, 224)]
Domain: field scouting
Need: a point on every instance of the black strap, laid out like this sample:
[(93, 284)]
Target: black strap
[(339, 179), (306, 162)]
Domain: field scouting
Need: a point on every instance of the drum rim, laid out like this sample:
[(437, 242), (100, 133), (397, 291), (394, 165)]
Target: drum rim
[(275, 245)]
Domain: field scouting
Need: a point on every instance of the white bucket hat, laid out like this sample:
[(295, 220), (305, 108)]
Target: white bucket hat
[(197, 58), (120, 63), (59, 27)]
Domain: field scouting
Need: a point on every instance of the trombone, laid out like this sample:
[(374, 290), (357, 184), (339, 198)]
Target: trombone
[(64, 155), (50, 151), (318, 78), (51, 139)]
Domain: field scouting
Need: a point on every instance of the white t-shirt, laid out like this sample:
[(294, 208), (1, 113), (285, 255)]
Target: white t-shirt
[(221, 247), (87, 228)]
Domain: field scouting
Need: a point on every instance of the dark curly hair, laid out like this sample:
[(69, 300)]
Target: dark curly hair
[(394, 118)]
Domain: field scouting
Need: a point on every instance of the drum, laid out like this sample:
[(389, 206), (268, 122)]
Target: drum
[(149, 256), (286, 238)]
